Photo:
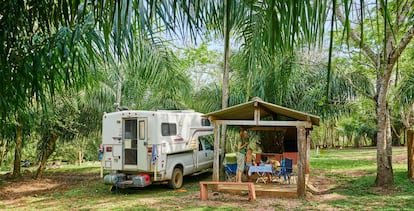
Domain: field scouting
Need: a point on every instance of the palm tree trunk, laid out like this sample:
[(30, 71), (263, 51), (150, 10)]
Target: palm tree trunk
[(18, 151), (225, 99), (45, 154), (325, 139), (119, 93), (225, 86), (3, 152)]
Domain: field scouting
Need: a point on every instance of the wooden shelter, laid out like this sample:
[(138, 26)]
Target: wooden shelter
[(260, 115)]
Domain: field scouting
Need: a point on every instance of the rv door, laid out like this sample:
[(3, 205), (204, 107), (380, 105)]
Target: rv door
[(142, 144), (130, 143), (135, 144)]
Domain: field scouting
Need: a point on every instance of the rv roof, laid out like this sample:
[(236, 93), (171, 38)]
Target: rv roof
[(177, 111)]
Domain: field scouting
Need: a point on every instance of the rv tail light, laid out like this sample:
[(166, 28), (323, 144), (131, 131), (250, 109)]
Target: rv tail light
[(146, 176), (108, 149), (149, 149)]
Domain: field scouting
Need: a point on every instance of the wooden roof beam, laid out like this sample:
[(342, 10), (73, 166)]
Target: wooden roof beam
[(265, 123)]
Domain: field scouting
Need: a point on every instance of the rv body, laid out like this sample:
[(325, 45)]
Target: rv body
[(145, 147)]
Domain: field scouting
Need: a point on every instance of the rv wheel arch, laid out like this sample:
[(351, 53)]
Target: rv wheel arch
[(176, 178)]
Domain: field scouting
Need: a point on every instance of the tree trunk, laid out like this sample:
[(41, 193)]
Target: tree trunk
[(405, 137), (118, 94), (18, 151), (357, 139), (301, 165), (410, 154), (385, 176), (226, 68), (80, 154), (225, 85), (45, 154), (325, 139), (3, 152)]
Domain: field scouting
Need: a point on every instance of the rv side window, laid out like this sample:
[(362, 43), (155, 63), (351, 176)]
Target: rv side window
[(141, 129), (205, 122), (207, 141), (168, 129)]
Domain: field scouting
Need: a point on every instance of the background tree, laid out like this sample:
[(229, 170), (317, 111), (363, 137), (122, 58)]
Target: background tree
[(41, 56), (58, 121), (393, 32)]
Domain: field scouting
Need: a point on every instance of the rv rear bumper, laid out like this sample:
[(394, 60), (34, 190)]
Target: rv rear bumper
[(126, 181)]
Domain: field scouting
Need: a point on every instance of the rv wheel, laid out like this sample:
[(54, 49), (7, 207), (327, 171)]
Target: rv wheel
[(176, 179)]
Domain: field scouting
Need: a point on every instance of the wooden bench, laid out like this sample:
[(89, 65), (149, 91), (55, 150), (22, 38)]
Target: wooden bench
[(204, 188)]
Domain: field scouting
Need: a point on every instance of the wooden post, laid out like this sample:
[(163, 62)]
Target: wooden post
[(216, 164), (301, 135), (222, 157), (308, 142), (410, 154)]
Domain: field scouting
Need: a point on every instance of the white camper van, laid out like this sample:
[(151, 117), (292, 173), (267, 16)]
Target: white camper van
[(145, 147)]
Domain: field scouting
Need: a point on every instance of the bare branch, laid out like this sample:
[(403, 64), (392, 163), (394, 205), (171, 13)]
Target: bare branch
[(396, 52), (404, 10), (367, 49), (405, 116), (401, 15), (360, 90)]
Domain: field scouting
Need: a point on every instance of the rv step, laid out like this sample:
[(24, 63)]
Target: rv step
[(126, 182)]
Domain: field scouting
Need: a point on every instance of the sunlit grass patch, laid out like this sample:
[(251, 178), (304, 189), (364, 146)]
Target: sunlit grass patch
[(88, 167), (341, 164), (356, 181)]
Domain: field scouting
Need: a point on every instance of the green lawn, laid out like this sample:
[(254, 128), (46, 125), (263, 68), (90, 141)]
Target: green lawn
[(354, 173), (349, 175)]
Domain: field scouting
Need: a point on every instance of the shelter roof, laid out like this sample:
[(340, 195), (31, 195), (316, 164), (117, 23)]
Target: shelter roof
[(246, 111)]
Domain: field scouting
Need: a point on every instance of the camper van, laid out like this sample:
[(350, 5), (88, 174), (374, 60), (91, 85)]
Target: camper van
[(145, 147)]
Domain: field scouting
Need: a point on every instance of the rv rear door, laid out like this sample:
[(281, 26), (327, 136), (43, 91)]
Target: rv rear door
[(142, 144), (130, 143), (135, 144)]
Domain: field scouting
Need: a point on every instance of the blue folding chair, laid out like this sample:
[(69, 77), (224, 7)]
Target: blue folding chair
[(286, 169), (230, 170)]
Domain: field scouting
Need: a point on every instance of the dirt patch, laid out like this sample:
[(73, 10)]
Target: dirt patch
[(25, 186), (241, 202), (320, 184), (402, 158)]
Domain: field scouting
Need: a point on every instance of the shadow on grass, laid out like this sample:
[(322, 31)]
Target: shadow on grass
[(361, 193), (190, 184)]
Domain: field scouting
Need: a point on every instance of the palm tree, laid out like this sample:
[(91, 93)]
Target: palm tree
[(51, 47), (40, 57)]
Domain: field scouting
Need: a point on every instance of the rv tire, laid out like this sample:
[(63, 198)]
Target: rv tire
[(176, 179)]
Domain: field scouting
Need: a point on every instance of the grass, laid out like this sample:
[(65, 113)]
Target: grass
[(354, 170), (351, 173)]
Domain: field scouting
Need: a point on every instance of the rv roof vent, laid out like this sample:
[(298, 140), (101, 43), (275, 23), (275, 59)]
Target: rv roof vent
[(177, 111), (123, 108)]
